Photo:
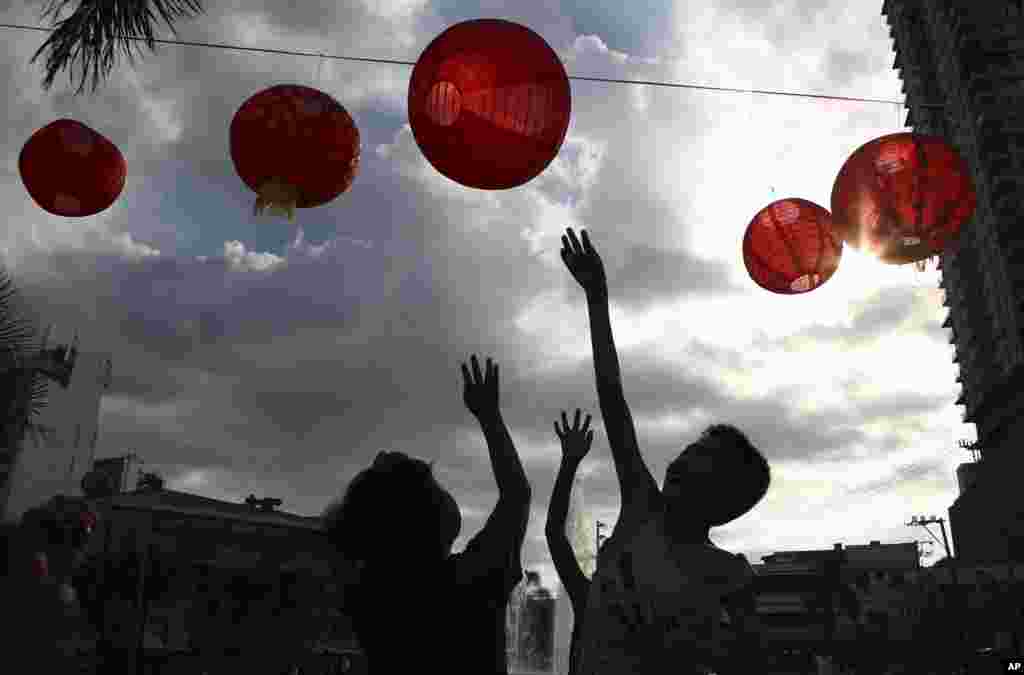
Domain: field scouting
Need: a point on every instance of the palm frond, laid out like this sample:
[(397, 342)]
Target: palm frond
[(37, 396), (17, 331), (97, 28), (23, 394)]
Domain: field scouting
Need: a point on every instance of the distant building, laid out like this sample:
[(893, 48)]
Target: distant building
[(887, 559), (530, 625), (968, 57), (243, 582), (56, 462), (564, 621), (808, 598)]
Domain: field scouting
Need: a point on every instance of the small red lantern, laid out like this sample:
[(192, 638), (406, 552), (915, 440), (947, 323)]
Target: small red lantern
[(903, 197), (790, 247), (87, 521), (71, 170), (295, 147), (489, 104), (40, 566)]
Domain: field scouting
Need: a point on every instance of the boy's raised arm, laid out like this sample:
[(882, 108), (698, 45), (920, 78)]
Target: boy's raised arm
[(575, 445), (639, 491)]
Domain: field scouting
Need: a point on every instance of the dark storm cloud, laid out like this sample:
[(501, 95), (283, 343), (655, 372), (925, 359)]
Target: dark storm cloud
[(894, 406), (930, 470), (650, 275), (843, 65), (883, 313)]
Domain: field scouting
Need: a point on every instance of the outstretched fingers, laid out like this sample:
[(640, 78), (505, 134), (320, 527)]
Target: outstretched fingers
[(576, 247), (477, 377), (588, 248)]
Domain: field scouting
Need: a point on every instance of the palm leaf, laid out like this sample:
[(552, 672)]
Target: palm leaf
[(17, 339), (17, 332), (97, 28)]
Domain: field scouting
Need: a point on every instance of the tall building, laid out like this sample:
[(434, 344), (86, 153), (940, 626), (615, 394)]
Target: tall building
[(966, 56), (55, 462)]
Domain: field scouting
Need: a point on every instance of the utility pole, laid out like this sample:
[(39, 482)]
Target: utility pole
[(600, 537), (924, 522)]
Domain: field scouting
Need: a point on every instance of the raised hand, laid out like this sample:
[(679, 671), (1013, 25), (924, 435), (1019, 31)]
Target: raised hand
[(480, 393), (584, 264), (575, 440)]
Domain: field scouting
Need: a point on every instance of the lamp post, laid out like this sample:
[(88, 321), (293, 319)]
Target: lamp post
[(600, 537)]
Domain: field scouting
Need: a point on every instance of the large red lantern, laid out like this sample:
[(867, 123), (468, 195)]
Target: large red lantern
[(903, 197), (295, 147), (790, 247), (71, 170), (489, 104)]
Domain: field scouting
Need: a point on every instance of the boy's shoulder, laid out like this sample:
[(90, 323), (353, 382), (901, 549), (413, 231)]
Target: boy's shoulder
[(732, 570)]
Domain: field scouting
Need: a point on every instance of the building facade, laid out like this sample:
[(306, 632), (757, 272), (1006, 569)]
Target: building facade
[(200, 584), (816, 599), (963, 75), (54, 463)]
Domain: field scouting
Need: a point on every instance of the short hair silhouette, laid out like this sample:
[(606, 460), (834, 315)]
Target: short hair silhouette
[(741, 475), (393, 512)]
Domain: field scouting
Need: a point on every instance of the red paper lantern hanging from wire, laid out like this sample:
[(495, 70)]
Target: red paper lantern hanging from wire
[(489, 104), (903, 197), (790, 247), (296, 147), (71, 170)]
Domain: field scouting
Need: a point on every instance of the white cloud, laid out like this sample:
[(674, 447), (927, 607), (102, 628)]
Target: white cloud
[(249, 261)]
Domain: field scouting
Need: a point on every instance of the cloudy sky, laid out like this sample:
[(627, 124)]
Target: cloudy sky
[(254, 356)]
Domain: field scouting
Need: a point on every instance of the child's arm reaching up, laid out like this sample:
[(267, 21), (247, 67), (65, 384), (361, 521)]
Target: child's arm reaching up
[(575, 445), (640, 494)]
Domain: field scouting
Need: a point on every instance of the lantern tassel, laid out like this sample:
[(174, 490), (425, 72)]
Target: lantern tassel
[(278, 197)]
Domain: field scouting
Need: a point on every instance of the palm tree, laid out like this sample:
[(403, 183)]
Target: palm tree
[(97, 28), (23, 391), (17, 340)]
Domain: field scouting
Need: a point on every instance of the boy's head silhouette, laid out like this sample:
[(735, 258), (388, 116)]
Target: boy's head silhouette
[(394, 514), (715, 480)]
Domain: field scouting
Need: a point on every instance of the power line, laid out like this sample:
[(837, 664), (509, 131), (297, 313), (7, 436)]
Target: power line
[(650, 83)]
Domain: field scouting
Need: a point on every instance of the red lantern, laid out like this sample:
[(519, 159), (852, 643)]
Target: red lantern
[(71, 170), (903, 197), (489, 104), (40, 566), (790, 247), (295, 147)]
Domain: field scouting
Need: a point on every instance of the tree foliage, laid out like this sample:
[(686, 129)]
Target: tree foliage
[(96, 29), (17, 340)]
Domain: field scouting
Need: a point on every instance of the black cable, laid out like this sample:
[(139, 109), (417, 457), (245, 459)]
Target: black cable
[(650, 83)]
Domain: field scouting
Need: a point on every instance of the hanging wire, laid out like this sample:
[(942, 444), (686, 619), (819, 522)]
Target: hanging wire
[(920, 266), (607, 80)]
